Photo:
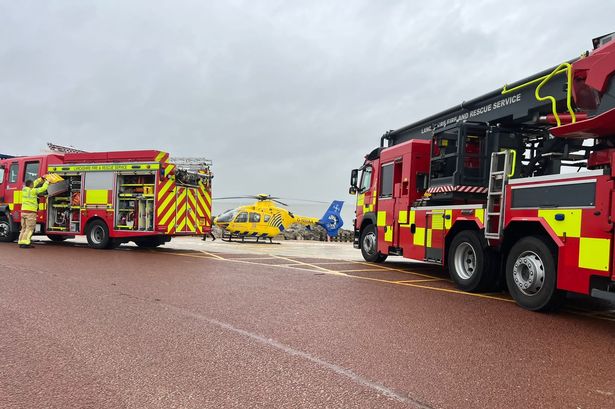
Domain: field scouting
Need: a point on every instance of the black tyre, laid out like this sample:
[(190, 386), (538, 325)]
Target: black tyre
[(57, 238), (369, 245), (471, 264), (97, 234), (149, 242), (531, 274), (7, 234)]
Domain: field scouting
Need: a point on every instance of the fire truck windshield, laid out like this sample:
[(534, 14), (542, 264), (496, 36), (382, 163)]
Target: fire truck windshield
[(366, 179)]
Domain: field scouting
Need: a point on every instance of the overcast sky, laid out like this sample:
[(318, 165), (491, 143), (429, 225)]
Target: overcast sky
[(285, 96)]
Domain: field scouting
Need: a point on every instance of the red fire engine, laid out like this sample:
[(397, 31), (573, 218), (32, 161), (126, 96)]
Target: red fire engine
[(110, 197), (515, 188)]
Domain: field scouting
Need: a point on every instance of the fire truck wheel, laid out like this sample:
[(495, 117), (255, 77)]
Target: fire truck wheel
[(6, 233), (471, 263), (369, 245), (97, 234), (531, 273)]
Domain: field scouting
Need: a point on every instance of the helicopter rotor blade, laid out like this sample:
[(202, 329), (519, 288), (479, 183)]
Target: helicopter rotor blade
[(303, 200), (277, 201), (234, 197)]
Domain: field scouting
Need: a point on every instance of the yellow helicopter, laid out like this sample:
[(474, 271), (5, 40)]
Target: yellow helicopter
[(265, 220)]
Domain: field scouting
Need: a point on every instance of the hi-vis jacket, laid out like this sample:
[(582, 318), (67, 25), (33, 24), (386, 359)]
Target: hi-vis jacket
[(29, 196)]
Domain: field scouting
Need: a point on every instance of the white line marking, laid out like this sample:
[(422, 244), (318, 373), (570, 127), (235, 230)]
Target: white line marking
[(358, 379)]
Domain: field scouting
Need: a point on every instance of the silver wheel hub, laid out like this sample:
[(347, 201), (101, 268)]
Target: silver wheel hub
[(529, 273), (4, 229), (98, 233), (465, 261), (369, 243)]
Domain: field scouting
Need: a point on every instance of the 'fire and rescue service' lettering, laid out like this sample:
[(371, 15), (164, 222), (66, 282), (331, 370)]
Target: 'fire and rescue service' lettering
[(104, 167), (493, 106)]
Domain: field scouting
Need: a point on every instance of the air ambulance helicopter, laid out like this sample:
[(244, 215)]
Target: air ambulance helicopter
[(265, 220)]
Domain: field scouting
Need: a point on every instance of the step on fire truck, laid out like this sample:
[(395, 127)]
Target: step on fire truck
[(515, 188), (110, 197)]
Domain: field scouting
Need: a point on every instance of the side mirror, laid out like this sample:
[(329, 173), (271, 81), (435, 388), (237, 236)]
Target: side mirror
[(354, 177), (352, 190)]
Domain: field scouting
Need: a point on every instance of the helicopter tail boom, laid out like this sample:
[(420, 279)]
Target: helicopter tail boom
[(332, 219)]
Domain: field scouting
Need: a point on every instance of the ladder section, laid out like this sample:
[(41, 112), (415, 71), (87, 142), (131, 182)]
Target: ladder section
[(501, 168)]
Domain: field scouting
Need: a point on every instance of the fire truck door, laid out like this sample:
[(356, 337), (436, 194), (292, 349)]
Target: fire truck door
[(434, 236), (191, 222), (400, 215), (186, 210), (13, 189)]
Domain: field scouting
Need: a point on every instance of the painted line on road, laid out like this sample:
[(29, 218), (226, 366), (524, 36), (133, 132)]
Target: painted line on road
[(399, 270), (288, 350), (341, 274), (364, 270), (251, 258), (212, 255), (408, 283), (422, 280), (302, 263), (326, 263), (191, 255)]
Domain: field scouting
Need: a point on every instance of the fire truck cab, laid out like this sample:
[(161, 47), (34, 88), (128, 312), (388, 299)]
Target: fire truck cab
[(515, 188)]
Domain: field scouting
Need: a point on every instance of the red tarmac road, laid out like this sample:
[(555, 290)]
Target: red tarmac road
[(130, 328)]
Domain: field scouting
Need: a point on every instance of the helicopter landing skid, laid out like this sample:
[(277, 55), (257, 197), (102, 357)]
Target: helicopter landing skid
[(247, 239)]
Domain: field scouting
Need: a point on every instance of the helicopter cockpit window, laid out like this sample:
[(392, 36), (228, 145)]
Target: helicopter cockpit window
[(366, 179), (267, 218), (226, 216), (241, 217), (255, 217)]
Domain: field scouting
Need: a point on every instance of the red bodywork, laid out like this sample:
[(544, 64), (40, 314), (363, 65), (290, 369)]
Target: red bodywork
[(178, 209), (583, 234)]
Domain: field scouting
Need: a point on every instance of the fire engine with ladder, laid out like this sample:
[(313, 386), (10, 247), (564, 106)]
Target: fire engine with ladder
[(110, 197), (514, 188)]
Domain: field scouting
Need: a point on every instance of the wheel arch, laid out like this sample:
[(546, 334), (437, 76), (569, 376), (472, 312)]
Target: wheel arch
[(5, 212), (93, 219), (368, 218), (458, 227), (518, 229)]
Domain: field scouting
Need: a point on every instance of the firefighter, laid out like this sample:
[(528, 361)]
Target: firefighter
[(213, 238), (29, 209)]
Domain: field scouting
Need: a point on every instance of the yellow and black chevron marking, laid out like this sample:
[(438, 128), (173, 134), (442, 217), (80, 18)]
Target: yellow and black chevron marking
[(276, 221), (167, 192), (203, 208)]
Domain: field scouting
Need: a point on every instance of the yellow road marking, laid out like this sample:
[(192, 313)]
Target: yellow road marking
[(252, 258), (302, 263), (327, 263), (213, 255), (407, 283), (194, 256), (399, 270), (423, 280)]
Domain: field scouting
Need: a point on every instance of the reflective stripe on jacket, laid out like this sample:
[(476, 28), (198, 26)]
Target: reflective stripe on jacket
[(29, 196)]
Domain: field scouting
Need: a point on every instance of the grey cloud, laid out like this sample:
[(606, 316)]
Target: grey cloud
[(285, 97)]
